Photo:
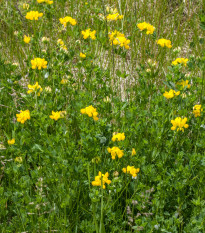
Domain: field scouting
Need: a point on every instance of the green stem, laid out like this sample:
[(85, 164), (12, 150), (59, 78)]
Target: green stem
[(119, 196), (202, 88), (101, 219), (36, 101)]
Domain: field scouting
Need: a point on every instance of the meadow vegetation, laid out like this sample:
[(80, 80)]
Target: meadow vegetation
[(102, 125)]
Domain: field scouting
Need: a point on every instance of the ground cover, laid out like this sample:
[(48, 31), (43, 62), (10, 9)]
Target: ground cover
[(102, 116)]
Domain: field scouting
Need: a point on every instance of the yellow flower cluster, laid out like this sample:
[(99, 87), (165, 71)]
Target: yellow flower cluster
[(66, 20), (33, 15), (101, 180), (179, 124), (117, 38), (83, 55), (90, 111), (23, 116), (62, 45), (131, 170), (146, 26), (171, 94), (39, 63), (184, 84), (35, 88), (116, 16), (26, 39), (88, 33), (11, 142), (46, 1), (118, 137), (181, 60), (115, 151), (164, 43), (56, 115), (197, 110)]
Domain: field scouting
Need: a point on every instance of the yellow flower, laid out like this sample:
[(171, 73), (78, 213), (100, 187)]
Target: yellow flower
[(115, 151), (60, 42), (35, 88), (88, 33), (46, 1), (171, 94), (133, 152), (197, 110), (118, 137), (33, 15), (55, 115), (39, 63), (177, 93), (18, 159), (90, 111), (83, 55), (11, 142), (131, 170), (25, 6), (179, 124), (184, 84), (146, 26), (101, 180), (26, 39), (164, 43), (64, 81), (112, 17), (117, 38), (23, 116), (62, 45), (66, 20), (181, 60), (92, 35)]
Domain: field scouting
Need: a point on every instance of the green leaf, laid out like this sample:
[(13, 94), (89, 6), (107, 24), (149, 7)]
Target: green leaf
[(37, 147)]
